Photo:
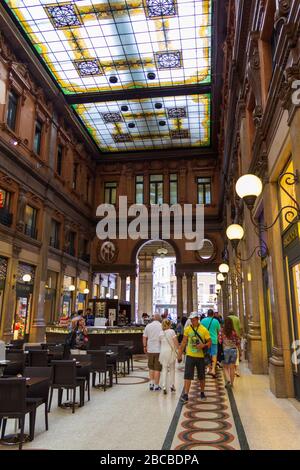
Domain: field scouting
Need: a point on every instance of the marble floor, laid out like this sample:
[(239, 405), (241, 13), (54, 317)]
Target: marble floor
[(130, 417)]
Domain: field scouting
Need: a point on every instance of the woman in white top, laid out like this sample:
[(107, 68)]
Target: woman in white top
[(168, 354)]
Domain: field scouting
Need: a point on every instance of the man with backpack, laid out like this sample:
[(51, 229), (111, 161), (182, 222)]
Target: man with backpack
[(195, 339), (213, 326)]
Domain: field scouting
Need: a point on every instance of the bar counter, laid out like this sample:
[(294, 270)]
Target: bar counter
[(101, 336)]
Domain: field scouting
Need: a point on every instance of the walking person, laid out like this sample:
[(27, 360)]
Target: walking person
[(151, 343), (196, 338), (168, 355), (231, 344), (237, 328), (213, 326)]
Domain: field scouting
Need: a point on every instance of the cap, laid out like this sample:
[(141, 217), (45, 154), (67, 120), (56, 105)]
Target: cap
[(193, 315)]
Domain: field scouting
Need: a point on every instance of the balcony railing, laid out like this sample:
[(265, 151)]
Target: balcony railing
[(30, 231), (5, 217)]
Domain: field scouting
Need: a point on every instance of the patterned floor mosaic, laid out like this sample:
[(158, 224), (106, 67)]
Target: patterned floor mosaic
[(206, 424)]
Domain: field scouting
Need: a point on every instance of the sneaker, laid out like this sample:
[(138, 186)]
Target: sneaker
[(184, 398), (202, 396), (172, 388), (151, 387), (157, 388)]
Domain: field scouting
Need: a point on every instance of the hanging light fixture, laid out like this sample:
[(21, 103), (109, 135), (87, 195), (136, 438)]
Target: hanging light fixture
[(218, 287), (220, 278), (86, 291), (224, 268), (162, 252), (26, 278), (72, 288)]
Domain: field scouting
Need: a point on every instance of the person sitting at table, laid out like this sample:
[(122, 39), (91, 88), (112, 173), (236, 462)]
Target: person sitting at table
[(79, 337)]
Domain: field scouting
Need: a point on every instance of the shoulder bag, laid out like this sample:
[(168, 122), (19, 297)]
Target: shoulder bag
[(207, 358)]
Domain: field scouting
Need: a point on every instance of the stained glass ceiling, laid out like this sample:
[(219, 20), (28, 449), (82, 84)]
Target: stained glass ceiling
[(96, 46), (180, 121)]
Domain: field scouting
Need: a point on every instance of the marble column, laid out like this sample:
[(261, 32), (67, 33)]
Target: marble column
[(189, 284), (179, 296), (195, 293), (38, 326), (280, 367), (9, 304), (132, 297), (123, 286), (145, 301)]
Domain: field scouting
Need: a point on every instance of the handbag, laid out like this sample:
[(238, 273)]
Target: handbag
[(207, 357), (174, 351)]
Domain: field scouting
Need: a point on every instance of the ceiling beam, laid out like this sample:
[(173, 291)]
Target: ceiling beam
[(138, 93)]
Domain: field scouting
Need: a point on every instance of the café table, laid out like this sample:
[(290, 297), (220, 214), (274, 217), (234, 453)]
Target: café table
[(14, 438)]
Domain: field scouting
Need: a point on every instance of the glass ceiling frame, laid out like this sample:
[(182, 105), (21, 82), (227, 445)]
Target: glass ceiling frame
[(180, 62)]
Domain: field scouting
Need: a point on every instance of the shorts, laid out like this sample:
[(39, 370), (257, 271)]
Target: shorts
[(190, 364), (213, 350), (153, 362), (230, 356)]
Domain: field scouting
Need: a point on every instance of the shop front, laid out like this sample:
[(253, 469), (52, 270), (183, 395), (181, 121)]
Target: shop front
[(24, 296), (291, 243), (81, 302), (68, 294), (3, 274), (51, 315)]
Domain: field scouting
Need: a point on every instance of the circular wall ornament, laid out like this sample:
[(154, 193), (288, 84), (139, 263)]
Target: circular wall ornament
[(107, 252), (208, 252)]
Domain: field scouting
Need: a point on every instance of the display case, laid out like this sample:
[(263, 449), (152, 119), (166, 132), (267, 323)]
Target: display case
[(116, 312)]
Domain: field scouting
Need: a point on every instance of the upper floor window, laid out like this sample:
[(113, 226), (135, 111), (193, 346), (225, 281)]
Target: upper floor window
[(139, 190), (31, 221), (87, 191), (59, 159), (212, 288), (75, 175), (37, 143), (156, 189), (5, 215), (204, 190), (72, 239), (12, 109), (110, 193), (54, 235), (173, 189)]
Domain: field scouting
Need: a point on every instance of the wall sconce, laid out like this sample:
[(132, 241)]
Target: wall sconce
[(235, 234), (86, 291), (72, 288), (220, 277), (26, 278), (249, 188)]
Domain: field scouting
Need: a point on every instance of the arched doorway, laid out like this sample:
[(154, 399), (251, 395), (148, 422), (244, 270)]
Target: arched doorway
[(156, 281)]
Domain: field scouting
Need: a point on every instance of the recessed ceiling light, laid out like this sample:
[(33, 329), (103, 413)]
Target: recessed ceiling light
[(151, 76), (124, 108), (162, 123), (158, 105), (131, 125), (113, 79)]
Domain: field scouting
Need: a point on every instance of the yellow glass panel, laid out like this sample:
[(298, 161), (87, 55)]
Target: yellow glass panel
[(285, 200)]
